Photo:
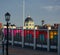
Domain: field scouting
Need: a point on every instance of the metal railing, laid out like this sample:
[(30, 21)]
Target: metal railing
[(35, 38)]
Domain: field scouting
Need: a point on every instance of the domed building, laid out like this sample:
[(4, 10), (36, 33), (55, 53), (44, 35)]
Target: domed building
[(28, 23)]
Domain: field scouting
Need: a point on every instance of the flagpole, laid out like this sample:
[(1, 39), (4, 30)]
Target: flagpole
[(23, 23), (23, 11)]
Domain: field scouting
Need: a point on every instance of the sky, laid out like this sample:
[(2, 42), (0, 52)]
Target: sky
[(47, 10)]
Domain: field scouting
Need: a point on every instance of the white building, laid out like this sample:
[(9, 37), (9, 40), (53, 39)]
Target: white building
[(28, 23)]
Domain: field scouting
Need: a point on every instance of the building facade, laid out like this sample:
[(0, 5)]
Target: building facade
[(29, 23)]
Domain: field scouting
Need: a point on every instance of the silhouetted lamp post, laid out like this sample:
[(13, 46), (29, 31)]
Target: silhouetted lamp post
[(7, 18)]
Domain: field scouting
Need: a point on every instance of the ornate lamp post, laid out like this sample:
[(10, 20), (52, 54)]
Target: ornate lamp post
[(7, 18)]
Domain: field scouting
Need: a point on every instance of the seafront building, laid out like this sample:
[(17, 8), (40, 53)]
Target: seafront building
[(30, 24)]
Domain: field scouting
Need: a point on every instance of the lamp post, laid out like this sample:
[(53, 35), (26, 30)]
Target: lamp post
[(7, 18)]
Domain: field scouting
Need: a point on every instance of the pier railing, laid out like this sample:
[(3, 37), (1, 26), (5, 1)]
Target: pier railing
[(40, 38)]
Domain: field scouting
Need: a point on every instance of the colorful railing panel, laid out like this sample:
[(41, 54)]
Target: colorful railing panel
[(41, 37), (53, 39), (10, 34), (28, 36), (17, 34)]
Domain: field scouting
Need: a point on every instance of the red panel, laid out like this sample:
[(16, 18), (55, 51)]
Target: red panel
[(29, 32), (20, 32), (25, 33), (14, 32), (37, 33), (43, 32)]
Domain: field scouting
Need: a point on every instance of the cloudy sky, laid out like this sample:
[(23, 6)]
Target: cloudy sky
[(48, 10)]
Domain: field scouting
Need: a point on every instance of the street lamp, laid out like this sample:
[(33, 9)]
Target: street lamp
[(7, 18)]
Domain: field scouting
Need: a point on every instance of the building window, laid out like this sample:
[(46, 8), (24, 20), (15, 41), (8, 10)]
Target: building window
[(30, 28), (27, 28), (26, 24), (30, 24)]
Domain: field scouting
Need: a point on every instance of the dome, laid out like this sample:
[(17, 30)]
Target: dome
[(28, 19)]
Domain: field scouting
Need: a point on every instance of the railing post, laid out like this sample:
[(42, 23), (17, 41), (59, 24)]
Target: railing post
[(59, 40), (34, 39), (48, 44), (2, 35), (12, 37), (22, 38)]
